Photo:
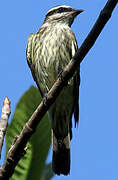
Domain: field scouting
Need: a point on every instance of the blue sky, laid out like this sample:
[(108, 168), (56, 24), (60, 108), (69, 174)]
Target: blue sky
[(94, 148)]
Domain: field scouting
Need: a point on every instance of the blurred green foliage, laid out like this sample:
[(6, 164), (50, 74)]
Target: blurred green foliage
[(33, 165)]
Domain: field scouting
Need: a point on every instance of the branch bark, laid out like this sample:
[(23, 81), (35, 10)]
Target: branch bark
[(4, 120), (17, 149)]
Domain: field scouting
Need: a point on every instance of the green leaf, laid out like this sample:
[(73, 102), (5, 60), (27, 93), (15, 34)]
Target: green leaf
[(47, 172), (32, 164)]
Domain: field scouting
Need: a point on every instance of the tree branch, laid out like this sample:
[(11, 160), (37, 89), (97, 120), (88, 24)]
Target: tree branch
[(17, 149), (4, 120)]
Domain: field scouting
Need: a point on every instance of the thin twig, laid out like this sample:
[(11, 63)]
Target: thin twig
[(17, 149), (4, 120)]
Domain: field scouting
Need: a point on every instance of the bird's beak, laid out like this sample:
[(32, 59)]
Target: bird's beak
[(76, 12)]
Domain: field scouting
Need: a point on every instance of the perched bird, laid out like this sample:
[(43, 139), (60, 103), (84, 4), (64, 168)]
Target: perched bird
[(48, 52)]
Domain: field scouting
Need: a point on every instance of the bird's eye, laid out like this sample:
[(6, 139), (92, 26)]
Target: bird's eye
[(60, 10)]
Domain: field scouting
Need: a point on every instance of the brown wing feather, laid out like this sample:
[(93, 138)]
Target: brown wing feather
[(75, 109), (29, 60), (76, 85)]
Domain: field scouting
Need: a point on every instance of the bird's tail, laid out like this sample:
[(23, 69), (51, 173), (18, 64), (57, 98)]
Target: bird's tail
[(61, 155)]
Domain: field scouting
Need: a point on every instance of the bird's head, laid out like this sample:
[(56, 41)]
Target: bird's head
[(62, 14)]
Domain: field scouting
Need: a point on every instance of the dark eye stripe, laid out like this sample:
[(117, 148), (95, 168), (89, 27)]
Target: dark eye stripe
[(59, 10)]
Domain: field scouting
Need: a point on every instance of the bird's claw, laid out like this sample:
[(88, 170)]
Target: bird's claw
[(60, 75), (45, 99)]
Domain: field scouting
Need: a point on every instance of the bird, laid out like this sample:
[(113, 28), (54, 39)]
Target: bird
[(48, 51)]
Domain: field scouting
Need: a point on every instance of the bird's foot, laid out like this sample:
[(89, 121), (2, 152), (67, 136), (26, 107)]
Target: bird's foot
[(45, 99), (61, 77)]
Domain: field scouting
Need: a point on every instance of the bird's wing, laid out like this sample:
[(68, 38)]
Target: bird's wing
[(76, 86), (29, 56), (76, 94)]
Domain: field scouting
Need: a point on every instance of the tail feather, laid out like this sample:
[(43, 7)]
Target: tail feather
[(61, 155)]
